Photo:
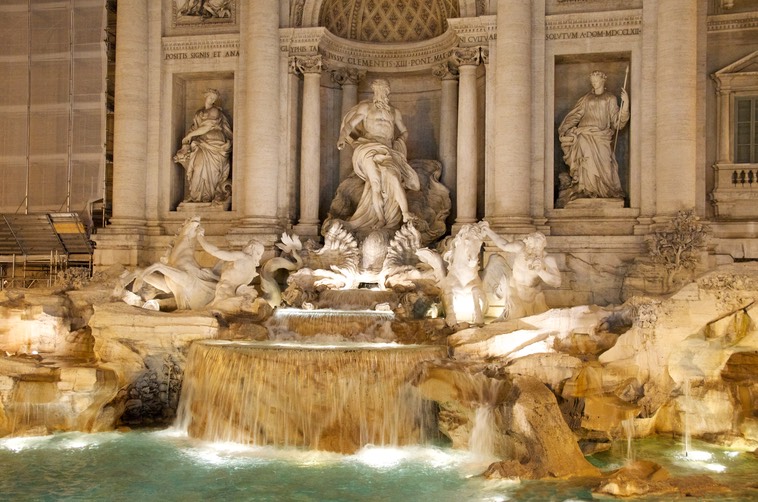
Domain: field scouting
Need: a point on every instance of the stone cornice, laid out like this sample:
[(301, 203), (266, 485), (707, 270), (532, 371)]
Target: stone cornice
[(474, 30), (593, 25), (733, 22), (301, 40)]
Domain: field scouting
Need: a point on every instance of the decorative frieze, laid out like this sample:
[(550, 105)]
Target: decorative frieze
[(593, 25)]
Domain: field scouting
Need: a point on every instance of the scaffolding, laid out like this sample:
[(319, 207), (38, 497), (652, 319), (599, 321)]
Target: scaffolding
[(53, 108), (35, 247)]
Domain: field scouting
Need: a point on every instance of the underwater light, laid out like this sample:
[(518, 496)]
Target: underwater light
[(698, 456), (381, 457), (18, 444)]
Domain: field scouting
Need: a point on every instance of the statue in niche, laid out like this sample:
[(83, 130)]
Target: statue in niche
[(518, 279), (379, 159), (385, 189), (588, 139), (206, 154)]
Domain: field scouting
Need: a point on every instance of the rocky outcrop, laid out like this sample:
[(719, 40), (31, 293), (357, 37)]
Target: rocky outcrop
[(515, 419), (72, 361), (48, 379), (146, 350), (667, 364), (645, 478)]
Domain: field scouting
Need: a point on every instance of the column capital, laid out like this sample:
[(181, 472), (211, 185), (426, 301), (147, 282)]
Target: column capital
[(345, 75), (485, 55), (306, 64), (445, 71), (467, 56)]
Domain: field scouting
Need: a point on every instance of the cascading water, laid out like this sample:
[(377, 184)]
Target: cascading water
[(330, 323), (483, 433), (336, 397), (686, 418), (628, 426)]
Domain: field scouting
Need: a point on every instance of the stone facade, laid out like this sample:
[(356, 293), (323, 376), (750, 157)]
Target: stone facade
[(510, 72)]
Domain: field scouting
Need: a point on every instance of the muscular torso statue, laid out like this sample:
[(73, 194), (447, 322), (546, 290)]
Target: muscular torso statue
[(380, 160)]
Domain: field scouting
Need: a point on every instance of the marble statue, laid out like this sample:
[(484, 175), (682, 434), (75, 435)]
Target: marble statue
[(588, 136), (379, 159), (226, 288), (456, 271), (206, 154), (528, 268), (205, 8), (178, 272), (238, 269)]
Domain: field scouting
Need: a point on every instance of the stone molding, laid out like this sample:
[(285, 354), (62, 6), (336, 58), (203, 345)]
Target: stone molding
[(425, 55), (732, 22), (475, 31), (593, 25), (296, 41)]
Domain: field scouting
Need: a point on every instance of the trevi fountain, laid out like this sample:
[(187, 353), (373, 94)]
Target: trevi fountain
[(407, 250)]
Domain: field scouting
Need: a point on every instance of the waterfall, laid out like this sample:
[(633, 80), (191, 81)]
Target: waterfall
[(483, 433), (331, 324), (686, 418), (336, 397), (628, 426)]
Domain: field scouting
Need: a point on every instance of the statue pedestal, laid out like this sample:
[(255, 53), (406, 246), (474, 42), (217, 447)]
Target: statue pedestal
[(595, 203), (593, 217), (200, 208)]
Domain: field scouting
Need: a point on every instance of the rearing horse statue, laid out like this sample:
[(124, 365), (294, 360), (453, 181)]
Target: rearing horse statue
[(179, 273)]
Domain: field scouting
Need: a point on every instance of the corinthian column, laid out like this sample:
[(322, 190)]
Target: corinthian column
[(676, 103), (310, 145), (260, 134), (467, 156), (130, 117), (447, 150), (513, 118), (348, 79)]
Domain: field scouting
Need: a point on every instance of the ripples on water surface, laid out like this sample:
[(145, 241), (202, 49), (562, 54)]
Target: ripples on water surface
[(166, 466)]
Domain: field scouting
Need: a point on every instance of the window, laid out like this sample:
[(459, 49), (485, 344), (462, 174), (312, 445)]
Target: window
[(746, 130)]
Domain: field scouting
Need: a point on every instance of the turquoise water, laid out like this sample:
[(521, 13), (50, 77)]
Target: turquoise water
[(162, 465)]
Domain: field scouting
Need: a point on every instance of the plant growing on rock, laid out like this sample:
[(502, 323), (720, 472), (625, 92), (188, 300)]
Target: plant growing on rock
[(678, 248)]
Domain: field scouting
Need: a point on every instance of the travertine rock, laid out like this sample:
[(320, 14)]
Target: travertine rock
[(527, 430)]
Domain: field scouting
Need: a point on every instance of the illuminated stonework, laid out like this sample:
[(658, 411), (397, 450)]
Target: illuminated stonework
[(387, 21)]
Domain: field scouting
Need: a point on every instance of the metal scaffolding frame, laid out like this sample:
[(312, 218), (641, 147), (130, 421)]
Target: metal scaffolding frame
[(35, 247)]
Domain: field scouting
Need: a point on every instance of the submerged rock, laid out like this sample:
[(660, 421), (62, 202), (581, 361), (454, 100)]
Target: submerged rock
[(644, 477)]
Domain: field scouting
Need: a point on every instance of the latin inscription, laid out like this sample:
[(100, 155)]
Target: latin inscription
[(613, 32), (229, 53)]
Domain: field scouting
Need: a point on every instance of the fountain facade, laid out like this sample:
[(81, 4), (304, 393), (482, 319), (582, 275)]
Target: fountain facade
[(563, 343)]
